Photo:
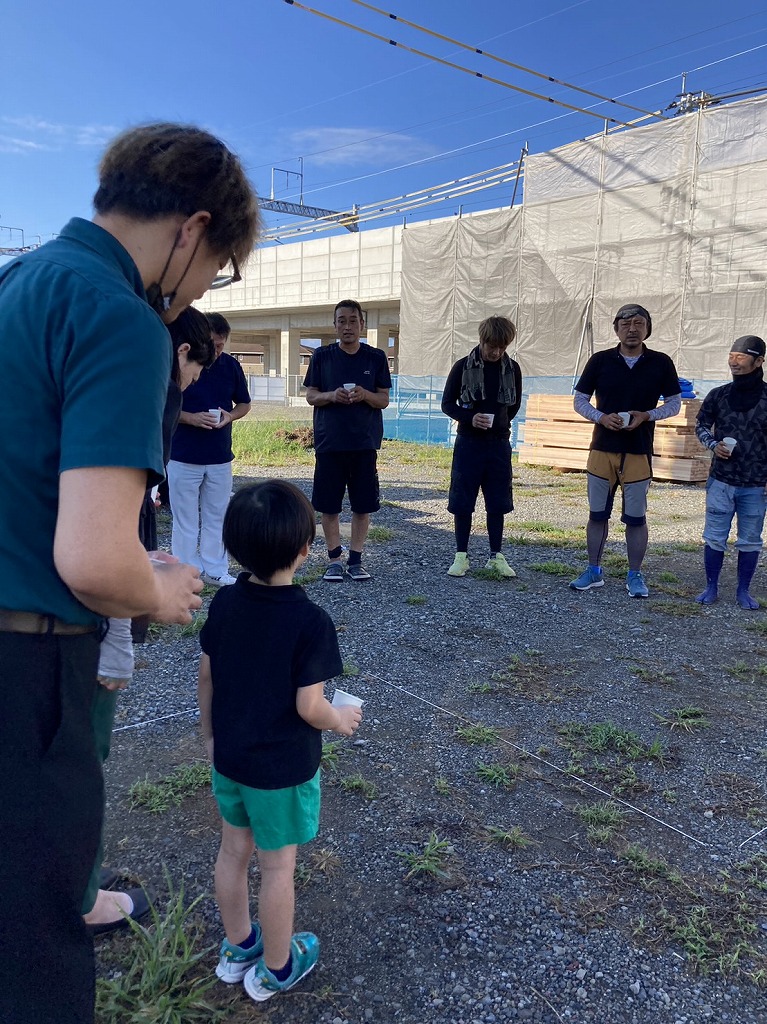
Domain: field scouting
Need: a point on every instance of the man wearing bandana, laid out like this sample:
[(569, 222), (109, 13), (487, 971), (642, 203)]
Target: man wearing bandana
[(738, 475), (483, 393), (86, 358), (627, 381)]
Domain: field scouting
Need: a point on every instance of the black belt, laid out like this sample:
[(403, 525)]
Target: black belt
[(33, 622)]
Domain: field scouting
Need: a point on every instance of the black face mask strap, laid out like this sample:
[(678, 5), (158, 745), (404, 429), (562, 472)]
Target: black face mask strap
[(170, 298), (154, 294)]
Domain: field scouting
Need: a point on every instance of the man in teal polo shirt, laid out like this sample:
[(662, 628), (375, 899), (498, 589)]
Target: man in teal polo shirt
[(86, 360)]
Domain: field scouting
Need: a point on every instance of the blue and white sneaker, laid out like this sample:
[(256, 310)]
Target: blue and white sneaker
[(235, 962), (636, 585), (588, 579), (261, 984)]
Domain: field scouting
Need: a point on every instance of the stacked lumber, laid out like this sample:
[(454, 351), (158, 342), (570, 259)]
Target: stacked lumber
[(555, 435)]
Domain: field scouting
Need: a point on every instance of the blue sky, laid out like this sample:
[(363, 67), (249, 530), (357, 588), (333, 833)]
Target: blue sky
[(371, 121)]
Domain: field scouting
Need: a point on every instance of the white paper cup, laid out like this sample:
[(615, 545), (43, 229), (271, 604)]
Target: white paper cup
[(491, 417), (216, 413), (730, 442), (350, 387), (626, 417), (342, 698)]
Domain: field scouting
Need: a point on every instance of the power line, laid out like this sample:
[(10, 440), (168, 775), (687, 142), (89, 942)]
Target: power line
[(502, 60), (458, 67)]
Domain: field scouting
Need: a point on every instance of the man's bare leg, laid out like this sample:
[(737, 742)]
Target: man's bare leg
[(360, 527), (331, 528)]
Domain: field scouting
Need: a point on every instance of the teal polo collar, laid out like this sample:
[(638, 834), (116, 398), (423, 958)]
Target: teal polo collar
[(95, 238)]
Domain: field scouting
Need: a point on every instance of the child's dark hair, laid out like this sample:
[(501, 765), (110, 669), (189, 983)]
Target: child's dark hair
[(191, 328), (266, 526)]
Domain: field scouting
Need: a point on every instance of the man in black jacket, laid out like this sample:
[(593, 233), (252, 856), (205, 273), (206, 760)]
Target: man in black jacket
[(732, 423), (628, 381), (483, 393)]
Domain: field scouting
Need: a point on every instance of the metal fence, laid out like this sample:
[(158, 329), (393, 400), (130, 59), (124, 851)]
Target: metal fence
[(414, 412)]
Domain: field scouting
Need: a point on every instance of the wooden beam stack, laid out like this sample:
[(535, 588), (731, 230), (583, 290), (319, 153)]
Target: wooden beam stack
[(555, 435)]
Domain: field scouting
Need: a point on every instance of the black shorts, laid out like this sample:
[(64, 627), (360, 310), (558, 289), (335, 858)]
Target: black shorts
[(334, 472), (480, 463)]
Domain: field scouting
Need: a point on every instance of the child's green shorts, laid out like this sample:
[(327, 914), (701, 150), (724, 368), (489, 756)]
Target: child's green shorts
[(276, 817)]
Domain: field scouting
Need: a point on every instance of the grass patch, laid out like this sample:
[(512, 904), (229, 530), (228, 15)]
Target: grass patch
[(688, 546), (408, 453), (429, 861), (170, 790), (547, 535), (164, 982), (192, 629), (615, 565), (602, 819), (357, 784), (552, 568), (308, 575), (477, 735), (501, 776), (378, 534), (668, 577), (351, 668), (271, 443), (442, 786), (513, 838), (687, 719), (330, 755), (415, 599), (489, 574), (679, 610)]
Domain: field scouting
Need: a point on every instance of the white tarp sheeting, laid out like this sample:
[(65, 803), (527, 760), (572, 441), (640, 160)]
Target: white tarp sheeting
[(672, 215)]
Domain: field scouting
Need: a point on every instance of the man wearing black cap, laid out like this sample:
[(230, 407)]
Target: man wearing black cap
[(732, 423), (628, 381)]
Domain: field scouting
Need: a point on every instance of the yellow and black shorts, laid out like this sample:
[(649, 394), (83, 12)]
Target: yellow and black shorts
[(609, 470)]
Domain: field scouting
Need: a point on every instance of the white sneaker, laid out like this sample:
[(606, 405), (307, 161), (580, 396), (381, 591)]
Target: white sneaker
[(219, 581)]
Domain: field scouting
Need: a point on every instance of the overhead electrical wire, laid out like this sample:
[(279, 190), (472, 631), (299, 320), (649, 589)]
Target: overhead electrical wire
[(517, 131), (502, 60), (460, 67)]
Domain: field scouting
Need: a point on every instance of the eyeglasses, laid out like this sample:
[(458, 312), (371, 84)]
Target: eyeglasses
[(222, 280)]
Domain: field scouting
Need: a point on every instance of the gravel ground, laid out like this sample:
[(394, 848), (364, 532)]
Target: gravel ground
[(590, 699)]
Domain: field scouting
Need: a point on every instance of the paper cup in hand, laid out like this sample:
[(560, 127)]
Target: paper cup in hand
[(342, 698), (491, 417), (730, 442), (216, 413), (626, 417), (350, 387)]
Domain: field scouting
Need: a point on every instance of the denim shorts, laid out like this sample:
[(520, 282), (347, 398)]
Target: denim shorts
[(723, 503), (276, 817)]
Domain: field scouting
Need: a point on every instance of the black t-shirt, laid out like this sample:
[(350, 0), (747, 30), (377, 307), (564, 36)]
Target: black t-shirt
[(347, 428), (264, 643), (504, 414), (619, 388)]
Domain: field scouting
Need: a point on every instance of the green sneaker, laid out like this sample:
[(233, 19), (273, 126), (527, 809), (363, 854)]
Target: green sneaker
[(261, 984), (460, 564), (499, 564), (235, 962)]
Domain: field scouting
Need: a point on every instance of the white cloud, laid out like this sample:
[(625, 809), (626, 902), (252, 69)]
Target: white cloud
[(357, 147), (47, 135), (9, 144)]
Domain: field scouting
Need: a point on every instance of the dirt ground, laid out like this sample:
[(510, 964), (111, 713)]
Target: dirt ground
[(555, 808)]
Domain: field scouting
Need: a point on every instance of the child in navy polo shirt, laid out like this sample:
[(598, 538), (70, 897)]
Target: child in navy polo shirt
[(266, 651)]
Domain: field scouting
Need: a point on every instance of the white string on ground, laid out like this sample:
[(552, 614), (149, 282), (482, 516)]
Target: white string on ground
[(153, 721), (542, 760), (515, 746), (754, 836)]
